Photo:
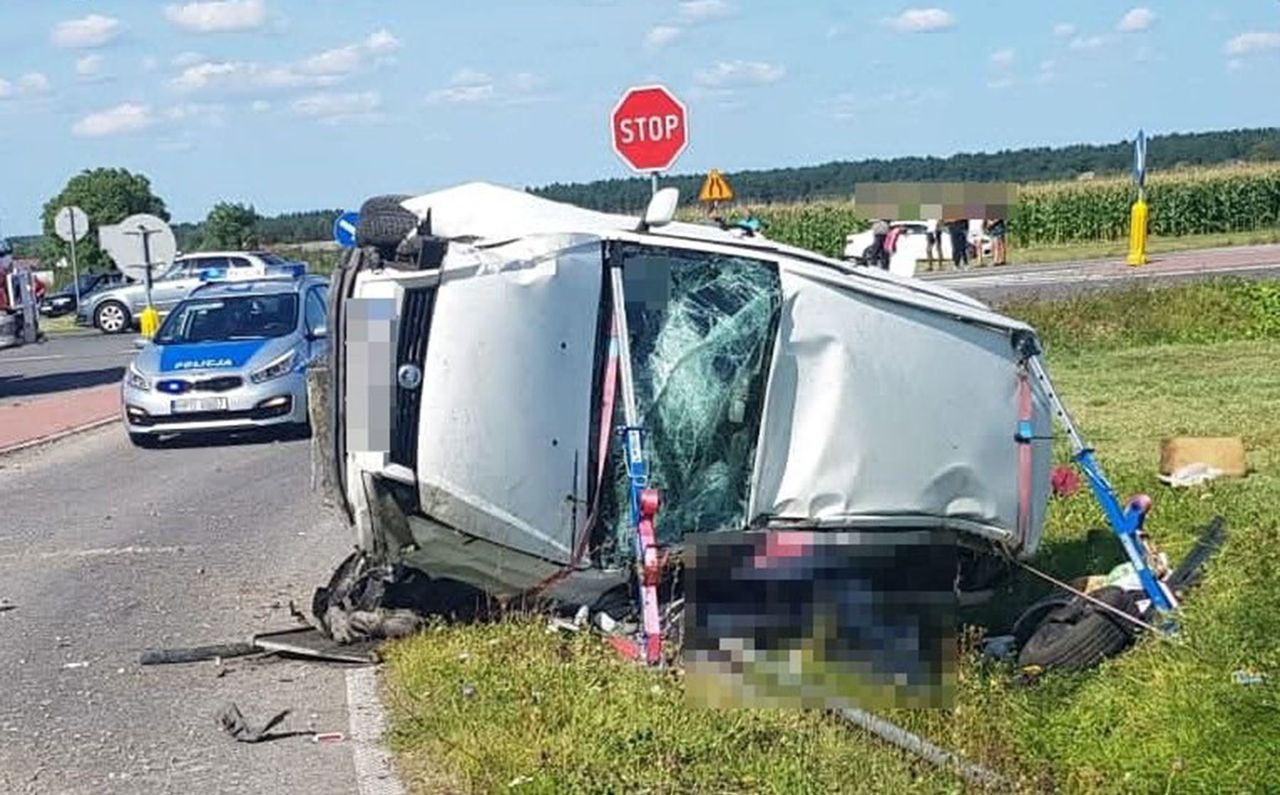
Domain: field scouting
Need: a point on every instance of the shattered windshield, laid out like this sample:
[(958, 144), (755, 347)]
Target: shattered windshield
[(235, 318), (701, 332)]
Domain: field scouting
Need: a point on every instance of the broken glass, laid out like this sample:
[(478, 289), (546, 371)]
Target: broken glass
[(701, 332)]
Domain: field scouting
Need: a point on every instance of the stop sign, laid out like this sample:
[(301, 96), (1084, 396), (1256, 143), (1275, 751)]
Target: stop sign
[(650, 128)]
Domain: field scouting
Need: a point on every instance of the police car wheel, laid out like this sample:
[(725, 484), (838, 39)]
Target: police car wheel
[(112, 317)]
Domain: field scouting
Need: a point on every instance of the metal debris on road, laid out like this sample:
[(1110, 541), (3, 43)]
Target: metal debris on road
[(232, 721), (328, 737)]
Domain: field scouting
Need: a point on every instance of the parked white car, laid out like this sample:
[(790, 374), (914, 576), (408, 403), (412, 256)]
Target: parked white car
[(912, 246)]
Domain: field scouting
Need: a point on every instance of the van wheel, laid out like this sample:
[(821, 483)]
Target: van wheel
[(112, 317), (384, 223), (1080, 635)]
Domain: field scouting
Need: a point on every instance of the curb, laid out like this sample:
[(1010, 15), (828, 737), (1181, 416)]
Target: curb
[(54, 437)]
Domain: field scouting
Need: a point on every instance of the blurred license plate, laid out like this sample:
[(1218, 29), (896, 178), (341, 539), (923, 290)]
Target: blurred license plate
[(200, 404)]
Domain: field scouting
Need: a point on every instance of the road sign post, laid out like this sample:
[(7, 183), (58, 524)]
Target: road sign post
[(1138, 215), (71, 224), (649, 130), (148, 319)]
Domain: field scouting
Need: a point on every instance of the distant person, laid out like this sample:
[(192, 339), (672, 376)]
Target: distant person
[(891, 245), (996, 227), (958, 229), (932, 239), (879, 233)]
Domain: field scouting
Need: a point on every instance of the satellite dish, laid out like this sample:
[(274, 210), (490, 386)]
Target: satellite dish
[(71, 224), (124, 243)]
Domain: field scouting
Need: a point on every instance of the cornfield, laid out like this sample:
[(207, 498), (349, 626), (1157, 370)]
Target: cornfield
[(1189, 201)]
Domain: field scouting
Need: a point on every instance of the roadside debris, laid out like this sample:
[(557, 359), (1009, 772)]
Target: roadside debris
[(6, 605), (1064, 481), (1224, 453), (303, 642), (232, 721), (1195, 474), (79, 664), (1247, 678), (328, 737)]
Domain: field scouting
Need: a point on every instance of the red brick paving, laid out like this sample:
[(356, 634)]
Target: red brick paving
[(50, 414)]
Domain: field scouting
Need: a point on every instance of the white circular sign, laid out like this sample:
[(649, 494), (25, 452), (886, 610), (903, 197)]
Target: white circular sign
[(124, 244), (71, 223)]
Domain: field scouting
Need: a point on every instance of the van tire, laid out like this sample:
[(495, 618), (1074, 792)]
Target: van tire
[(1080, 635), (383, 223)]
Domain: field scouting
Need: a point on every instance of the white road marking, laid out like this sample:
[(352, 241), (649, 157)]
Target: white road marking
[(374, 774), (94, 553), (57, 356)]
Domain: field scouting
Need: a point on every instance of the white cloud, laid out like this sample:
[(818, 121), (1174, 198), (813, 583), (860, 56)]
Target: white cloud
[(33, 83), (661, 35), (705, 10), (1002, 58), (1087, 42), (1064, 30), (1137, 20), (218, 16), (94, 30), (89, 66), (852, 105), (1000, 83), (472, 87), (318, 71), (1253, 41), (150, 63), (1233, 65), (351, 58), (184, 59), (6, 89), (332, 108), (260, 106), (466, 87), (127, 118), (727, 74), (233, 76), (921, 20)]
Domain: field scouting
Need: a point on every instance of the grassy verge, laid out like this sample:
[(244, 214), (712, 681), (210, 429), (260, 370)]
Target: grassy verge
[(1069, 252), (509, 706), (58, 325)]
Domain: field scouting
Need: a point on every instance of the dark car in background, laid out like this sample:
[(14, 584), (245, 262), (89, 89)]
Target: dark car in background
[(63, 301)]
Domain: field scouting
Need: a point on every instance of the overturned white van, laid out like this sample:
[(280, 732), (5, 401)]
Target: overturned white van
[(474, 410)]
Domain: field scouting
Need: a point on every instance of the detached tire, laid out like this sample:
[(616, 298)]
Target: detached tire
[(384, 223), (1080, 635)]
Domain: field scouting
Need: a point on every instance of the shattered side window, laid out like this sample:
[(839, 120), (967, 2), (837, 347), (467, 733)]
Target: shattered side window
[(701, 333)]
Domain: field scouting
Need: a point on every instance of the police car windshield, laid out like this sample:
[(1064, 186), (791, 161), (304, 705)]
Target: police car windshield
[(241, 317)]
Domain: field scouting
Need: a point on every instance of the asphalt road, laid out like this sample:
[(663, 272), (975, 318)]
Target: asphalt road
[(63, 362), (1068, 279), (107, 550)]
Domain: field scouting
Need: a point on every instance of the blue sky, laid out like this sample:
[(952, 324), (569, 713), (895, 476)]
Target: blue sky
[(294, 105)]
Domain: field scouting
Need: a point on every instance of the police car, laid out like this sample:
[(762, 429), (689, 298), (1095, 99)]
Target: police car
[(231, 356)]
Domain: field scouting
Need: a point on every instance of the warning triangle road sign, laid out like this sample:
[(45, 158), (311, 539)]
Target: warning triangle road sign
[(715, 188)]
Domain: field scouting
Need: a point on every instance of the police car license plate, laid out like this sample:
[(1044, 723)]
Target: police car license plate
[(199, 404)]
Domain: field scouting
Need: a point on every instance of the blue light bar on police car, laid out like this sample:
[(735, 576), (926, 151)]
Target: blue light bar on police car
[(293, 270)]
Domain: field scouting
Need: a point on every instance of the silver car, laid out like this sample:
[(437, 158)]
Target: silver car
[(232, 356), (116, 311)]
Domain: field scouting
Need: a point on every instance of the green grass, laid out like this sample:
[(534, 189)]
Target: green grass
[(1069, 252), (58, 325), (509, 706)]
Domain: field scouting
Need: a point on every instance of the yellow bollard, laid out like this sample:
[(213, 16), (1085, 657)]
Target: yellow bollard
[(149, 319), (1138, 233)]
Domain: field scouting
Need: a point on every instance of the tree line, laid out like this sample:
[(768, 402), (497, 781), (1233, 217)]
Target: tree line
[(839, 178), (109, 195)]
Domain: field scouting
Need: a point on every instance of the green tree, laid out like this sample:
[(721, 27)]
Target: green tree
[(108, 196), (230, 226)]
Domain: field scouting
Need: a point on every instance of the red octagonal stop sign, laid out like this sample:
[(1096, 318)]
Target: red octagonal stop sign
[(650, 128)]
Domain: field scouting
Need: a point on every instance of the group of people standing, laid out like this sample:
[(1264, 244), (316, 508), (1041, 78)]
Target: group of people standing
[(959, 229)]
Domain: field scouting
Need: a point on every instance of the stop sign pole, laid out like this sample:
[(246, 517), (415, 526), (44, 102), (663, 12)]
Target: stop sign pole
[(650, 128)]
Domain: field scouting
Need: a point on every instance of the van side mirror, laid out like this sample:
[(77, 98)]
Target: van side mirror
[(319, 332), (662, 208)]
